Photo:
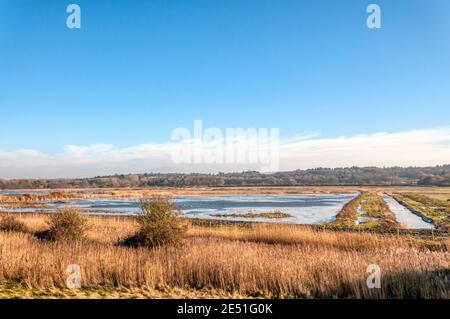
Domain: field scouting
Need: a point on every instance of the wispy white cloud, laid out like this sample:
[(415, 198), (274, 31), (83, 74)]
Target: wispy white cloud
[(417, 148)]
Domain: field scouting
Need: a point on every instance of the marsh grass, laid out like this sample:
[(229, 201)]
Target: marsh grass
[(435, 210), (348, 214), (10, 223), (258, 261)]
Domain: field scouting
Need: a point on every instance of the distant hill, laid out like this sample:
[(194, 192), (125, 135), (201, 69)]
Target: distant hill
[(424, 176)]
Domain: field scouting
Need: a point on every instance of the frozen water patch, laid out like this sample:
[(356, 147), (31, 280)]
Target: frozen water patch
[(405, 217), (362, 218), (303, 208)]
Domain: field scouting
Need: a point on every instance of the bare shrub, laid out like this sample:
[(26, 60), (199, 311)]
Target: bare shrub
[(158, 224), (10, 223), (68, 224)]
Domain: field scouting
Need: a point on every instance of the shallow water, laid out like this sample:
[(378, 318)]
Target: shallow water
[(303, 208), (405, 217), (362, 219)]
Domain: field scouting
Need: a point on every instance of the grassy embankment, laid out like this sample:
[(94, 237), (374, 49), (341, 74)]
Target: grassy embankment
[(373, 207), (222, 261), (436, 210)]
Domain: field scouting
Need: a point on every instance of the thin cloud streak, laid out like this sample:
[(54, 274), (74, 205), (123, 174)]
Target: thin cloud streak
[(424, 147)]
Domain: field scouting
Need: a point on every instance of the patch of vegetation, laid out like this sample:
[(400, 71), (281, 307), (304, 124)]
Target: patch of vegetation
[(276, 214), (268, 263), (67, 224), (10, 223), (369, 225), (441, 197), (373, 207), (159, 224), (13, 290)]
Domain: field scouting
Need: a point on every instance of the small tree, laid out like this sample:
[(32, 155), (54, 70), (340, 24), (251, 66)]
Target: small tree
[(67, 225), (159, 224)]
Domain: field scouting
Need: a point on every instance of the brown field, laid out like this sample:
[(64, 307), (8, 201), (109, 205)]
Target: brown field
[(269, 261)]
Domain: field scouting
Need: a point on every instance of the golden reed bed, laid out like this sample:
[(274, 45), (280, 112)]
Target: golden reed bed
[(224, 261)]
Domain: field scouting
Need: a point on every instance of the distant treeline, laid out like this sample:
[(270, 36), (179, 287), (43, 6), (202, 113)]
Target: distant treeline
[(425, 176)]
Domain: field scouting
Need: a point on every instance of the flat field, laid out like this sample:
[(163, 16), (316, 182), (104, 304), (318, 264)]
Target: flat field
[(221, 260)]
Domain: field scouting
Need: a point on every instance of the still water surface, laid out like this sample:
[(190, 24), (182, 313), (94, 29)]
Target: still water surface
[(303, 208)]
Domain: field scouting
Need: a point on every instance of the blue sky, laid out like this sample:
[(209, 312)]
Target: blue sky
[(136, 70)]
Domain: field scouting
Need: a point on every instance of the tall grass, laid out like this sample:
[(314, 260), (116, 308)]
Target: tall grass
[(263, 260), (234, 266), (10, 223)]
